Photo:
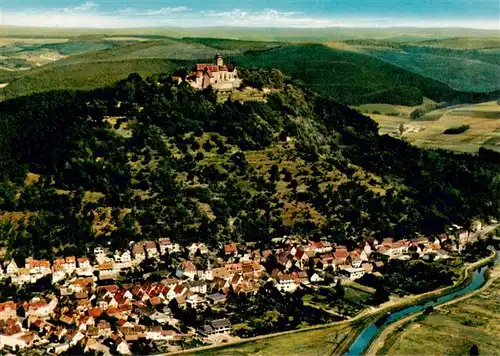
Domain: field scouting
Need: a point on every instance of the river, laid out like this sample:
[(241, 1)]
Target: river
[(369, 333)]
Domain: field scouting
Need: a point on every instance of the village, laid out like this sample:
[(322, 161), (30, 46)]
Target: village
[(98, 306)]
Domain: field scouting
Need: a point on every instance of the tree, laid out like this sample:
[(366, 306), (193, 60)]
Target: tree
[(474, 350)]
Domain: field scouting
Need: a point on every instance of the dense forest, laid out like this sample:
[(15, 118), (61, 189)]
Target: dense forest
[(149, 158)]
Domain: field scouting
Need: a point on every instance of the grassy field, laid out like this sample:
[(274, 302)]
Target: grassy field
[(453, 329), (315, 342), (482, 118), (462, 43), (388, 109)]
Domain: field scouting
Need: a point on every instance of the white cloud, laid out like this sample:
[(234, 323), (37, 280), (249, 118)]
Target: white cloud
[(88, 6), (87, 15), (165, 11)]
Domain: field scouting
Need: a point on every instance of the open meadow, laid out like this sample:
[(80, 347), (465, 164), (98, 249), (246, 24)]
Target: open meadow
[(483, 120), (322, 341), (452, 329)]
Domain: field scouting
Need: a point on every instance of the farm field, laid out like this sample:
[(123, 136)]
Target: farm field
[(482, 118), (315, 342), (453, 329)]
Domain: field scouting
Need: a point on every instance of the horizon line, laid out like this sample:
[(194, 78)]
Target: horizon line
[(409, 27)]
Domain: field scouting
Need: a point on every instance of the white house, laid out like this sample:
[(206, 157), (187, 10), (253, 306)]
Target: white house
[(195, 301), (12, 268), (123, 257), (83, 262), (58, 274), (167, 245), (197, 246), (316, 278), (17, 341), (99, 252), (286, 283), (354, 273)]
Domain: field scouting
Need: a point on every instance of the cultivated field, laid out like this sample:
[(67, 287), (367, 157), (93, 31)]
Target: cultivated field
[(453, 329), (483, 120)]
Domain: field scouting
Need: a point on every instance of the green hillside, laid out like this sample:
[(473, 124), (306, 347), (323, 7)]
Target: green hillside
[(347, 76), (148, 158), (82, 76), (353, 78)]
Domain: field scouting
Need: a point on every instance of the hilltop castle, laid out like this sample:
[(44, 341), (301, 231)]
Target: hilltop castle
[(219, 76)]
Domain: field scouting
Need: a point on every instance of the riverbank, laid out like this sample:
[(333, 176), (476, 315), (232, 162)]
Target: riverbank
[(412, 302), (446, 321), (350, 328)]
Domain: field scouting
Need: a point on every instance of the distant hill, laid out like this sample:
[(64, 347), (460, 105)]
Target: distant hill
[(351, 77), (462, 63), (354, 78)]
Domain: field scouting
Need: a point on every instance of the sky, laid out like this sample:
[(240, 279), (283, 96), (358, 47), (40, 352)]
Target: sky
[(480, 14)]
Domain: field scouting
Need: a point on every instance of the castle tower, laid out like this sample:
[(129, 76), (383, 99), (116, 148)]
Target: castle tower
[(219, 60)]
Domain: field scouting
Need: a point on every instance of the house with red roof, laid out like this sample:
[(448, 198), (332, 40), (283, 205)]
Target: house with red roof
[(231, 249), (302, 258), (186, 269), (151, 249)]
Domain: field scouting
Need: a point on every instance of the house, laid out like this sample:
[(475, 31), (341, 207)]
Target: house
[(164, 335), (286, 283), (219, 76), (327, 262), (302, 258), (195, 301), (12, 268), (123, 257), (285, 259), (106, 270), (151, 250), (199, 286), (231, 249), (7, 310), (197, 246), (99, 252), (40, 308), (186, 269), (367, 266), (17, 341), (319, 247), (316, 278), (83, 262), (354, 259), (216, 298), (139, 253), (353, 273), (216, 327), (393, 249), (58, 274), (122, 347), (167, 245), (340, 256), (69, 264)]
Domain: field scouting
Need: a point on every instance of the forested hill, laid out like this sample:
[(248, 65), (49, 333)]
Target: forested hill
[(149, 158)]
